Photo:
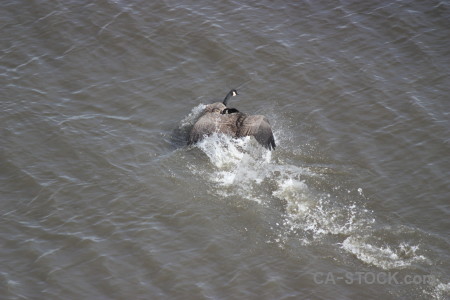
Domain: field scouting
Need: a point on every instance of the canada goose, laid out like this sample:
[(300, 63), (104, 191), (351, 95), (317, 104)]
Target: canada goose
[(217, 117)]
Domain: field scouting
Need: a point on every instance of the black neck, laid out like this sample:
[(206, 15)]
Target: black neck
[(225, 101)]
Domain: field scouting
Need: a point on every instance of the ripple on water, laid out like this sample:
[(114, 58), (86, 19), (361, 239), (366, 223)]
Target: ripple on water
[(314, 208)]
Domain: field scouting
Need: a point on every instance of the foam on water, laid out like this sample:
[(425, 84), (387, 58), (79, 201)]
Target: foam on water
[(385, 256), (239, 164), (394, 249), (440, 290), (224, 151), (310, 215)]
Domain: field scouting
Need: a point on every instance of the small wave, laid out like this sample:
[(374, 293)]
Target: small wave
[(387, 257)]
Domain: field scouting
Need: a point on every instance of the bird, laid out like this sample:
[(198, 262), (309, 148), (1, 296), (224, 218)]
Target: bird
[(218, 117)]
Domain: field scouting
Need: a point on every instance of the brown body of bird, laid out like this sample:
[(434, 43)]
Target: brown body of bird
[(217, 117)]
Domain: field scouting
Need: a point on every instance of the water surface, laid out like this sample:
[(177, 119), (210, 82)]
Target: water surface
[(102, 199)]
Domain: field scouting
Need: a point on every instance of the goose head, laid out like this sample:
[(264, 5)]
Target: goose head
[(230, 94)]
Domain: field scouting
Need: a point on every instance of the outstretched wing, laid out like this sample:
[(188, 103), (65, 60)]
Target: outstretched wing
[(206, 125), (259, 127)]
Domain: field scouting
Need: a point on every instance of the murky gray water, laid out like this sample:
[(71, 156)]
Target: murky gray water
[(102, 199)]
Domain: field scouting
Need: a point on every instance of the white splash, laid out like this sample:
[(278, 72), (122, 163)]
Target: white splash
[(240, 164), (222, 150), (311, 215), (192, 117), (383, 256), (440, 290)]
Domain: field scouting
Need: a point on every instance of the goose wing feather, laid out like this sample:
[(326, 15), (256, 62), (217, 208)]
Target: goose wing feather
[(259, 127), (210, 123), (204, 126)]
